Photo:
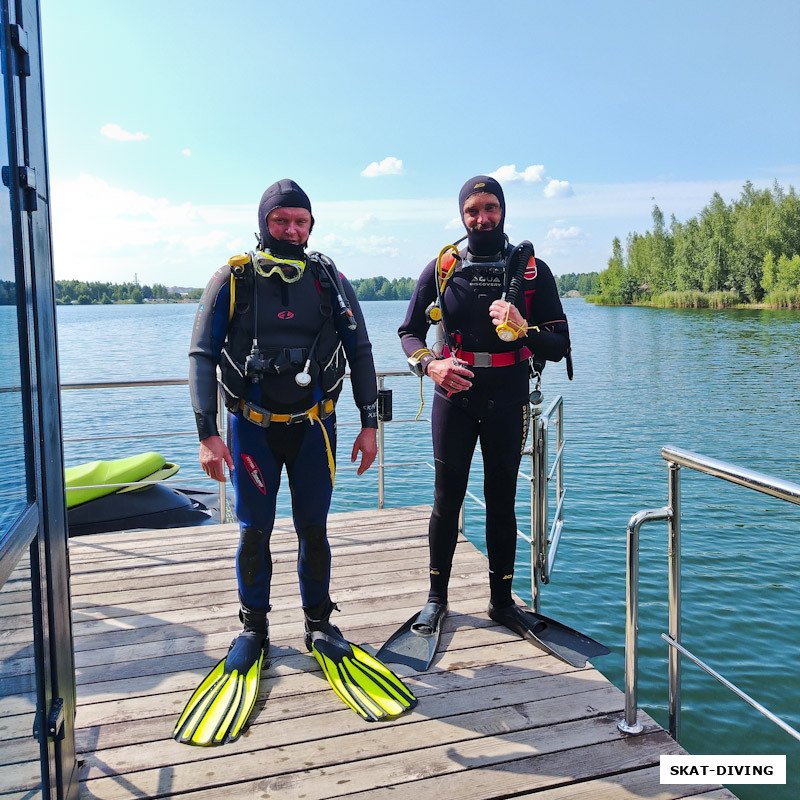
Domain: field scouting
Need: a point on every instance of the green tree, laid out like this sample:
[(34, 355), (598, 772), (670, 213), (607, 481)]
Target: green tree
[(617, 284), (136, 295), (715, 226), (788, 272), (84, 300)]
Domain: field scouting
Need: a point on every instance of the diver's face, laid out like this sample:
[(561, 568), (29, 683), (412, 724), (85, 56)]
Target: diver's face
[(291, 225), (482, 212)]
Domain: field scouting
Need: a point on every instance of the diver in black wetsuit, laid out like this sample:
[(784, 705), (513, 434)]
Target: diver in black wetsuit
[(481, 388), (279, 323)]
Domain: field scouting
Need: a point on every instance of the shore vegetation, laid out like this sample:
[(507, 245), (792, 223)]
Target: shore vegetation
[(82, 293), (742, 253)]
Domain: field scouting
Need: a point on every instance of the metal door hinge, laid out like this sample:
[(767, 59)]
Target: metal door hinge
[(27, 182), (55, 721), (19, 41)]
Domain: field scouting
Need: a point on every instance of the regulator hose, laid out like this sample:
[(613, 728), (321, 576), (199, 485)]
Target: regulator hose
[(522, 253), (517, 263)]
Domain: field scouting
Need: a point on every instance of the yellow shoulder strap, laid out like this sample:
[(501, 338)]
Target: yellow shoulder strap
[(235, 261)]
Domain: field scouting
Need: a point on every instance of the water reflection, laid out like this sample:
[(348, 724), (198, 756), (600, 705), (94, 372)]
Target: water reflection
[(12, 484), (19, 751)]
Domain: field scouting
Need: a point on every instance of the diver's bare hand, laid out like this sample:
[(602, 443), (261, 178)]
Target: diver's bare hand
[(214, 455), (498, 310), (450, 376), (367, 445)]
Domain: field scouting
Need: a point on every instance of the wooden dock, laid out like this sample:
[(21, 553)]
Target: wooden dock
[(497, 718)]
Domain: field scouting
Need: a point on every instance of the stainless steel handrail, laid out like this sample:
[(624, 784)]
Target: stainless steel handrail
[(221, 420), (751, 479), (544, 543)]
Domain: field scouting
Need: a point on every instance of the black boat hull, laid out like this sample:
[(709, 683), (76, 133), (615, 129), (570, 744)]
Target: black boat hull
[(157, 506)]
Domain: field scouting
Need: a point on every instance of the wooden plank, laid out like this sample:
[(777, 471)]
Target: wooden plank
[(337, 736), (299, 693), (99, 572), (297, 674), (179, 540), (370, 768), (632, 785), (496, 716)]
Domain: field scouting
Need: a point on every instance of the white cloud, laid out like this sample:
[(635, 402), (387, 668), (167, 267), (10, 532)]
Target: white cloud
[(369, 219), (101, 232), (114, 131), (558, 189), (389, 166), (573, 232), (186, 152), (361, 245), (453, 224), (508, 173)]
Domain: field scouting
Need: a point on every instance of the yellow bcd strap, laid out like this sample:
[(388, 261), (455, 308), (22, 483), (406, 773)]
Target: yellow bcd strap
[(235, 261), (313, 417)]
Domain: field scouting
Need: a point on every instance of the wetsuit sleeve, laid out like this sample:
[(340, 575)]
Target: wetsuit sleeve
[(208, 337), (414, 330), (544, 311), (358, 349)]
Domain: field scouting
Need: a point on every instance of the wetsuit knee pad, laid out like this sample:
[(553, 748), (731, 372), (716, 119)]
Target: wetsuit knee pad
[(253, 552), (315, 551)]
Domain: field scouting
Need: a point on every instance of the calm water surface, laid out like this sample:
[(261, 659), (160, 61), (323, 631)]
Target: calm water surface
[(724, 384)]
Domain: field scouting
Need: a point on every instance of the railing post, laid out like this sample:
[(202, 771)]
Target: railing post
[(380, 452), (675, 600), (537, 526), (630, 724), (559, 443), (223, 509)]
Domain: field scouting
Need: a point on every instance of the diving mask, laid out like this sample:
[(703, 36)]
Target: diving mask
[(287, 269)]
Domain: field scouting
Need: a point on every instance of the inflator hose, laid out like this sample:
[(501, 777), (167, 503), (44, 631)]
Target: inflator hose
[(523, 253)]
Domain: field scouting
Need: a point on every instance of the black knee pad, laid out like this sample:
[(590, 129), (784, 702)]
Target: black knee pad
[(253, 547), (315, 548)]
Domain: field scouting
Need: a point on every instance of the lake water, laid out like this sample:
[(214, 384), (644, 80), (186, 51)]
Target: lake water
[(724, 384)]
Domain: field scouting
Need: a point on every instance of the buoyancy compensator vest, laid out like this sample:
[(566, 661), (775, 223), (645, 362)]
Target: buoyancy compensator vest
[(282, 350)]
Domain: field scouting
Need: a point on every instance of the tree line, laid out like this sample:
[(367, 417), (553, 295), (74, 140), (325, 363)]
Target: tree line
[(100, 293), (585, 283), (381, 288), (745, 251), (378, 288)]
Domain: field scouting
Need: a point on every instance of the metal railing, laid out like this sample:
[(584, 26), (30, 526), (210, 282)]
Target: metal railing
[(750, 479), (221, 422), (543, 543)]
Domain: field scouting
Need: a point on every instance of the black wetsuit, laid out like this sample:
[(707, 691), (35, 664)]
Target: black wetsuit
[(494, 410), (290, 315)]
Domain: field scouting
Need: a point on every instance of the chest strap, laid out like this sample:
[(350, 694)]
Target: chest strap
[(490, 359)]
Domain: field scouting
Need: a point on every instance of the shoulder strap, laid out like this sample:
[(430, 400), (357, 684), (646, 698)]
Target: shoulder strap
[(241, 275)]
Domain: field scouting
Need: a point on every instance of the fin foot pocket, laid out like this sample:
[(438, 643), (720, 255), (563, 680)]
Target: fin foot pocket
[(415, 642)]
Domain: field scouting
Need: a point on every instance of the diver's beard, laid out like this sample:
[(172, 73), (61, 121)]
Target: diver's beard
[(486, 241)]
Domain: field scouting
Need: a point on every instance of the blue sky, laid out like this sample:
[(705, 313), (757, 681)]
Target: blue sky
[(167, 120)]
